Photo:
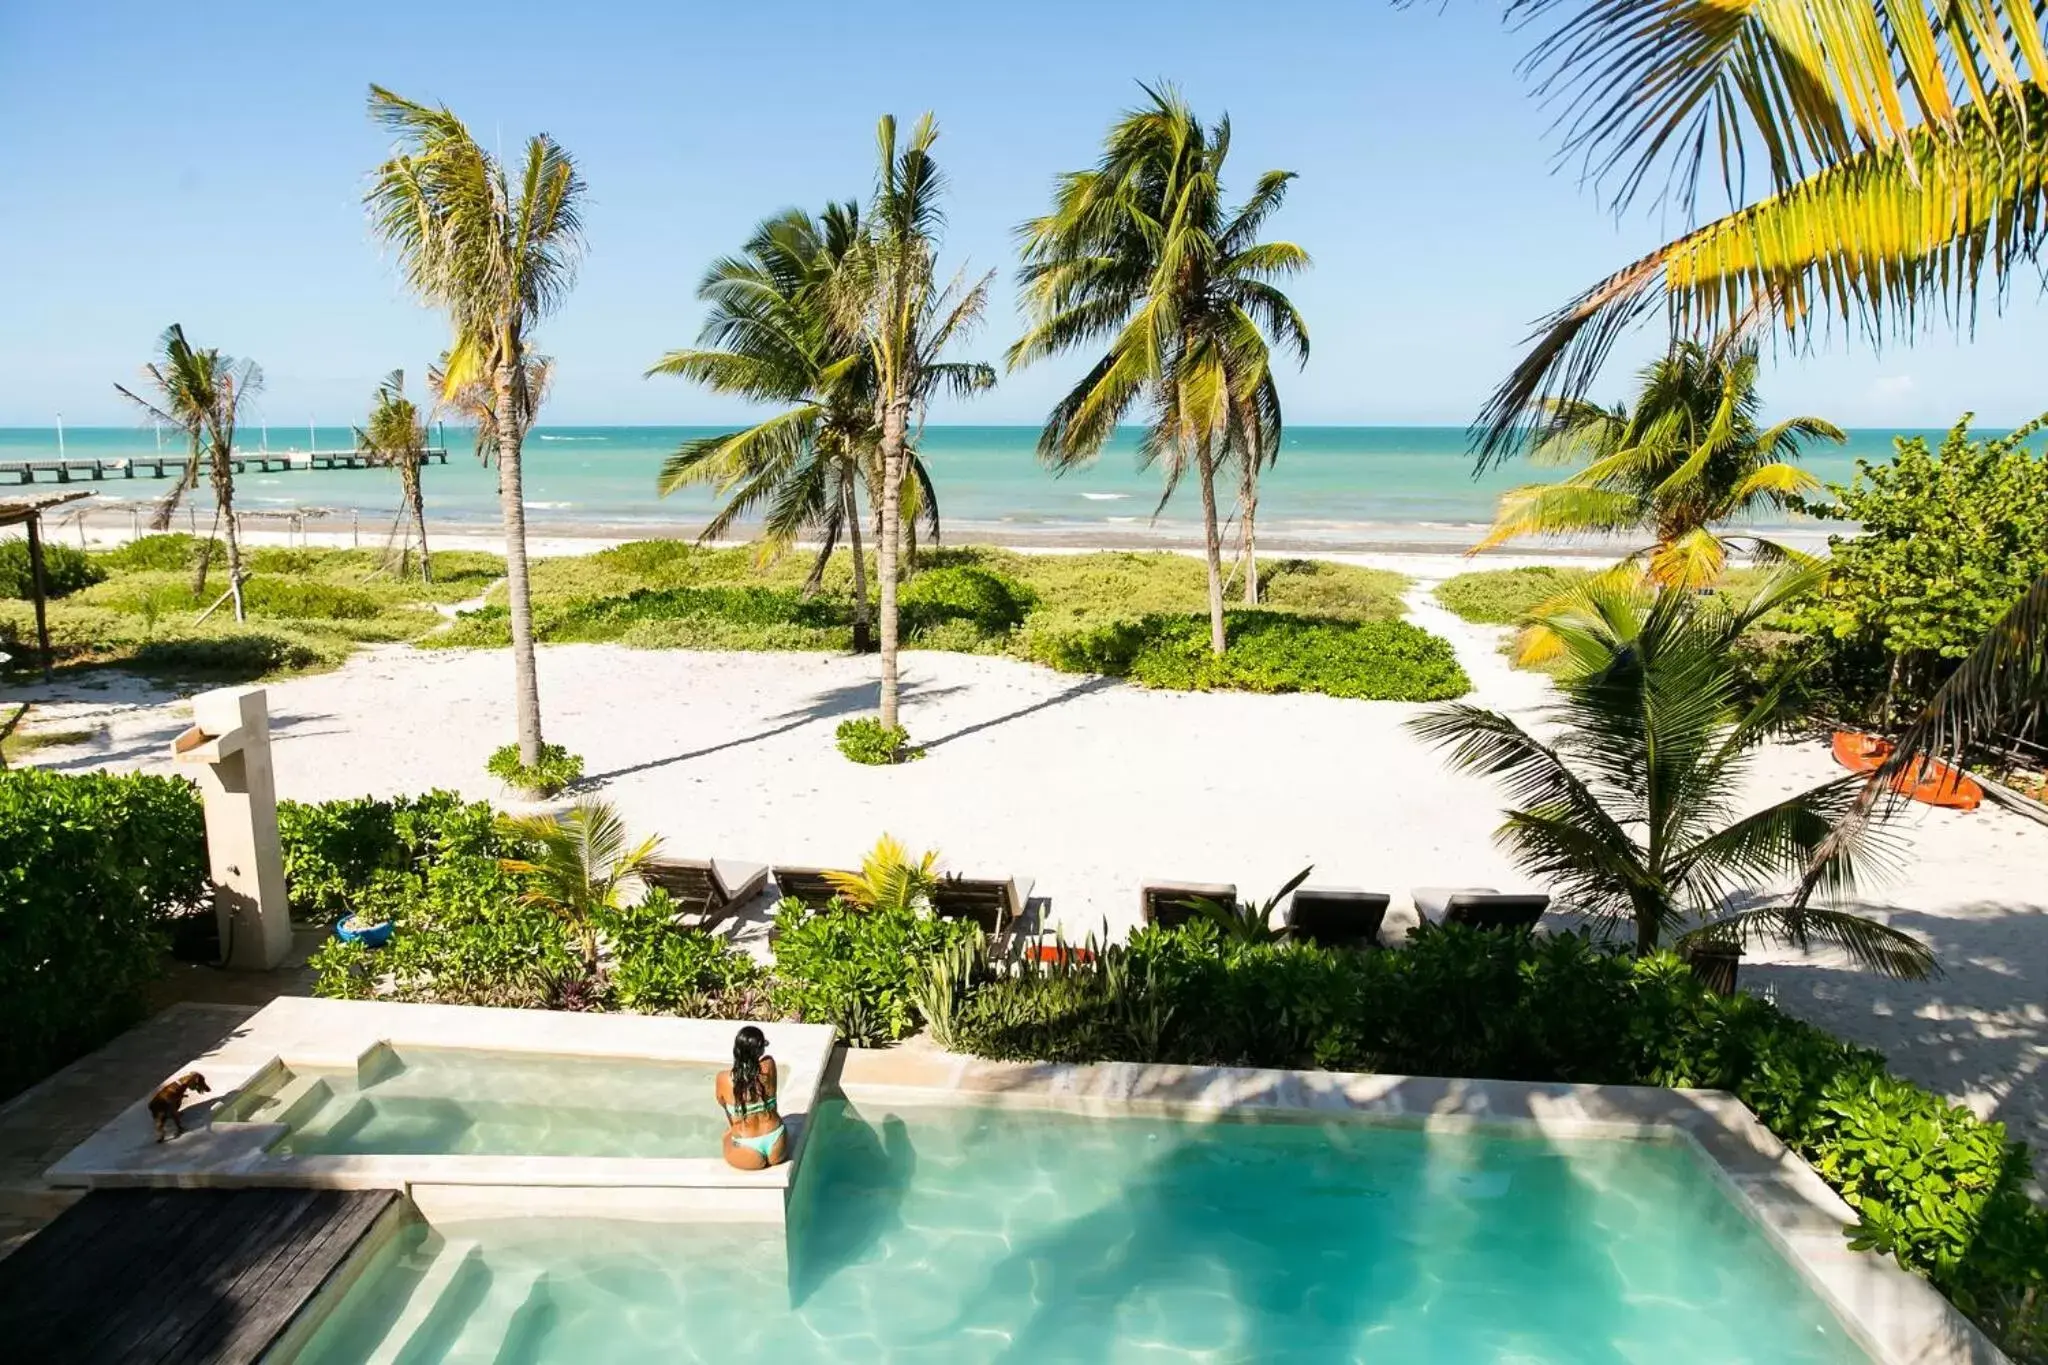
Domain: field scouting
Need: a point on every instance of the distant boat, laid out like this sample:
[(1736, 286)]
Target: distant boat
[(1924, 780)]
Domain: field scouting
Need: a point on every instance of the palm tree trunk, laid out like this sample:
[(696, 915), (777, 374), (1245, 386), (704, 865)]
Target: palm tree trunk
[(895, 422), (224, 501), (419, 517), (1248, 511), (512, 507), (863, 631), (1212, 544)]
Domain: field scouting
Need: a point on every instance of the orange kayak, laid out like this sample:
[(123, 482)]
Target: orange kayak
[(1935, 784)]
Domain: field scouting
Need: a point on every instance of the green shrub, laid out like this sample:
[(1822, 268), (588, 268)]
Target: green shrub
[(855, 968), (990, 602), (65, 570), (172, 552), (864, 739), (93, 869), (1505, 597), (333, 849), (234, 654), (558, 768), (660, 967)]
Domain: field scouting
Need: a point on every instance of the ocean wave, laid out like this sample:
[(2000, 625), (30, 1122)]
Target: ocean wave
[(548, 506), (1105, 497), (571, 438)]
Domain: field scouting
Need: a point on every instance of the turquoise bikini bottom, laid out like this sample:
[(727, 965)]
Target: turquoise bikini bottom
[(761, 1143)]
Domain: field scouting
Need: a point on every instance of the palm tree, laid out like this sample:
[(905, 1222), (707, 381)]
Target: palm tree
[(201, 392), (395, 435), (1141, 251), (475, 400), (887, 294), (585, 865), (773, 335), (1686, 460), (1627, 810), (499, 253)]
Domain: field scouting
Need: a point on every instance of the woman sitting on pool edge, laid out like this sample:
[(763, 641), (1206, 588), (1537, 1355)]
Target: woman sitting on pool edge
[(754, 1139)]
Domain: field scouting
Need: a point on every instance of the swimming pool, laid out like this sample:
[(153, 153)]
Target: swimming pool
[(976, 1234), (414, 1100)]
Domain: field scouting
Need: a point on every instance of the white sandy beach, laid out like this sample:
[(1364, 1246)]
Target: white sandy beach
[(1091, 786)]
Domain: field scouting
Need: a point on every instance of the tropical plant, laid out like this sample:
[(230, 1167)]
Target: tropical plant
[(1249, 921), (1687, 459), (887, 295), (557, 768), (395, 435), (1142, 251), (890, 879), (498, 252), (774, 335), (864, 739), (584, 866), (200, 392), (475, 400), (1626, 812)]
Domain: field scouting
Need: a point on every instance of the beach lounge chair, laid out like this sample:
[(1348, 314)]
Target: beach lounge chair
[(1170, 904), (1479, 907), (1337, 916), (994, 903), (804, 884), (709, 887)]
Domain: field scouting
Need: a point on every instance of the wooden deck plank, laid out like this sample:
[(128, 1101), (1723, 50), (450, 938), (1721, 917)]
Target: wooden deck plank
[(177, 1275)]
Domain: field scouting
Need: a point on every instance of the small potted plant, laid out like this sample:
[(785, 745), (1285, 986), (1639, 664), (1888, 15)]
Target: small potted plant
[(368, 921)]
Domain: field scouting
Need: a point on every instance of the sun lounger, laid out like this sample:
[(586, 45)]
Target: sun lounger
[(993, 903), (1337, 916), (805, 884), (1479, 907), (709, 887), (1170, 904)]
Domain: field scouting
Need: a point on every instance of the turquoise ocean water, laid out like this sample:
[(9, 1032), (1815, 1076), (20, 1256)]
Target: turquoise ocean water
[(1333, 486), (985, 1235)]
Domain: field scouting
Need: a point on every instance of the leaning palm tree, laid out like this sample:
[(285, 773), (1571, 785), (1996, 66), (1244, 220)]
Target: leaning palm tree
[(888, 296), (1629, 809), (585, 865), (395, 435), (1141, 252), (201, 392), (1688, 459), (773, 335), (498, 251)]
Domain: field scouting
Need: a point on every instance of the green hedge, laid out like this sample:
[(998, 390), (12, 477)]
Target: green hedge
[(856, 968), (1941, 1190), (93, 867), (65, 570), (1505, 597)]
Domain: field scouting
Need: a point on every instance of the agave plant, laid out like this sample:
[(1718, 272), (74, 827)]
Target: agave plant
[(586, 864), (1629, 812), (1246, 922), (890, 879)]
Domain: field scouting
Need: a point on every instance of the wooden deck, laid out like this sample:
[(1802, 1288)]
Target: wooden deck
[(166, 1275)]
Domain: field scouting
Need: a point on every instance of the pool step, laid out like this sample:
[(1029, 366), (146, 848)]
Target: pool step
[(514, 1296), (456, 1274)]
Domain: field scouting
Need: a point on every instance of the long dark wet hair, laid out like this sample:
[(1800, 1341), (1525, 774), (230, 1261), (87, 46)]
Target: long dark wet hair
[(747, 1047)]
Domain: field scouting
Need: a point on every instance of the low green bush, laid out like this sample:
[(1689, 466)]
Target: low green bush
[(993, 604), (1934, 1186), (856, 968), (661, 967), (92, 870), (65, 570), (171, 552), (334, 849), (234, 654), (557, 768), (1505, 597), (864, 739)]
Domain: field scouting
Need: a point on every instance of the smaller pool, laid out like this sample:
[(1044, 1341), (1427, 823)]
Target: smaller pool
[(424, 1101)]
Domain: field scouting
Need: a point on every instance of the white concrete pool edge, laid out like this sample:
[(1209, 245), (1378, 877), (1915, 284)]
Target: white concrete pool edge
[(306, 1032), (1893, 1314)]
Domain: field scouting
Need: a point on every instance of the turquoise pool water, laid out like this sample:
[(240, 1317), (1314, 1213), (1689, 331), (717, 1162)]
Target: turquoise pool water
[(965, 1234), (422, 1100)]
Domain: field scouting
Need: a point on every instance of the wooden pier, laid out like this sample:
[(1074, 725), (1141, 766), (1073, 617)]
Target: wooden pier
[(171, 466), (162, 1275)]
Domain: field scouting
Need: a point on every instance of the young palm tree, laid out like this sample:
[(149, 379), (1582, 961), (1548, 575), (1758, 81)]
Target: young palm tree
[(1628, 810), (773, 335), (1142, 252), (498, 251), (887, 294), (395, 435), (201, 392), (586, 865), (1685, 461)]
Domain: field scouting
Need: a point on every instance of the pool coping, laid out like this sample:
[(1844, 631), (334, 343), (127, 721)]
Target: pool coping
[(315, 1033), (1895, 1316)]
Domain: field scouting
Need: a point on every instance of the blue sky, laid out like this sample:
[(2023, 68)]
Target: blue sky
[(205, 166)]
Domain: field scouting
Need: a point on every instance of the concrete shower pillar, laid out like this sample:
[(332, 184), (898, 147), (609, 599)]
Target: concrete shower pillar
[(228, 751)]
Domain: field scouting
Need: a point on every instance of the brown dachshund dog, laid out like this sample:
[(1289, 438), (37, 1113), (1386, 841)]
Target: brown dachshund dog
[(166, 1102)]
